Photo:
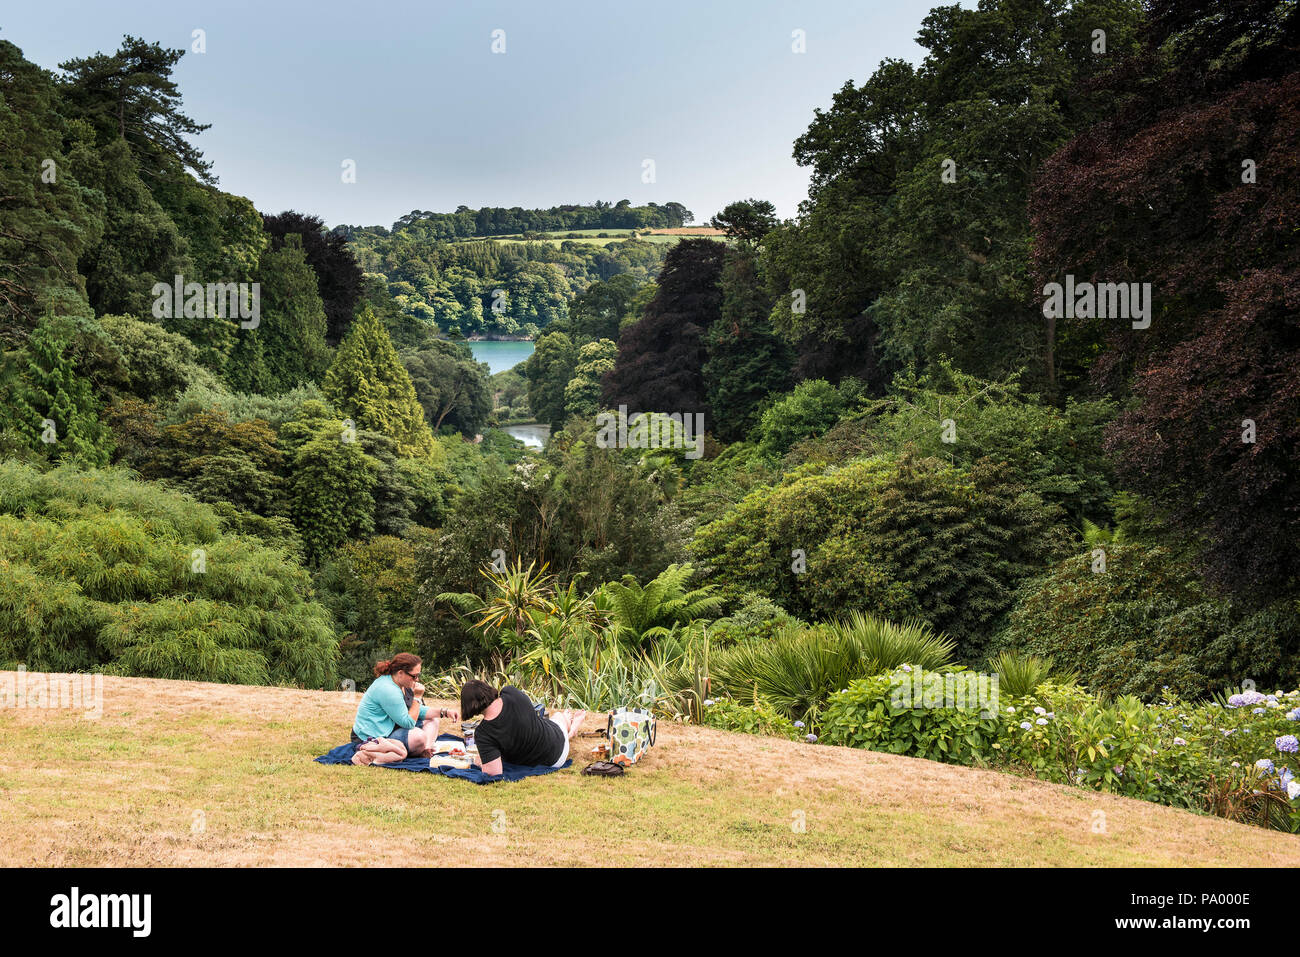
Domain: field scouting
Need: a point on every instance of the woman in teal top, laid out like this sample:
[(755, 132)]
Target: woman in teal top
[(391, 705)]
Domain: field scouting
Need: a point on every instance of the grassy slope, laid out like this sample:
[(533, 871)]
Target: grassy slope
[(127, 788)]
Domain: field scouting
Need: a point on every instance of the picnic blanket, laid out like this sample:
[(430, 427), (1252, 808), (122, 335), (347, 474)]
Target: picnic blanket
[(510, 772)]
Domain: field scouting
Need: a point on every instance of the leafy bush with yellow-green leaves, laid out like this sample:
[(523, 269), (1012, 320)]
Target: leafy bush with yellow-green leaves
[(101, 572)]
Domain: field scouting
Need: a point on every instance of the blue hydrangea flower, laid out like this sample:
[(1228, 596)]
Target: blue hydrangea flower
[(1041, 721), (811, 739), (1287, 743), (1179, 741), (709, 701), (798, 724), (1026, 725), (1264, 764)]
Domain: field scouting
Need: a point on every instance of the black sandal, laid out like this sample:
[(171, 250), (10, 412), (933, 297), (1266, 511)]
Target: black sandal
[(603, 769)]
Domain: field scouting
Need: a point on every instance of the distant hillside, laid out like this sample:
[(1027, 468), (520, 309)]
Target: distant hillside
[(499, 221), (508, 284)]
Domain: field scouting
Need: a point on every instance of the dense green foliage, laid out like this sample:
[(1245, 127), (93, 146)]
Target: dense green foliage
[(496, 221), (102, 572), (452, 389), (484, 286), (895, 537), (1132, 619)]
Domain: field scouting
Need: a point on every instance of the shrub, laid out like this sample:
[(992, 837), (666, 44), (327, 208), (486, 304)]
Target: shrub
[(798, 671), (757, 718), (1020, 674), (98, 571), (813, 407), (1144, 623), (1065, 734), (883, 646), (891, 537), (1055, 452), (757, 619), (866, 714)]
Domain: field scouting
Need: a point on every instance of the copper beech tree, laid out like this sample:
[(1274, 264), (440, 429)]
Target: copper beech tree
[(1194, 185)]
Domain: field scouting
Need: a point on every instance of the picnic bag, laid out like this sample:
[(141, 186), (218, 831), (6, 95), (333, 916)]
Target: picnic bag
[(631, 731)]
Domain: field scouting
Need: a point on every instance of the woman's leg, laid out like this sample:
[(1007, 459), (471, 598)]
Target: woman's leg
[(569, 721), (393, 751), (379, 751)]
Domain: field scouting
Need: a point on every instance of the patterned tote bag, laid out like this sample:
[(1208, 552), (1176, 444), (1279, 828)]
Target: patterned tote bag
[(631, 732)]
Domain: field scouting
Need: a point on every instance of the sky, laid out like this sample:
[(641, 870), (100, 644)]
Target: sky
[(412, 93)]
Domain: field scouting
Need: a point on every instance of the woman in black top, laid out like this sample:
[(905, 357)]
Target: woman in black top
[(512, 731)]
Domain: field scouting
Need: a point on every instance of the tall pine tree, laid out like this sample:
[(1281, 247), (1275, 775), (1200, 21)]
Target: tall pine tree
[(369, 384)]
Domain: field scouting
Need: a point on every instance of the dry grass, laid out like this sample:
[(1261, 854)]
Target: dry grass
[(183, 773)]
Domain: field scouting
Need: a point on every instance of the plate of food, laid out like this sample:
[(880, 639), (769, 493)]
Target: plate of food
[(449, 761)]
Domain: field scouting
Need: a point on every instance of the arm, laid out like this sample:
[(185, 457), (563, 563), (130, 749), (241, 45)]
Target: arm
[(489, 753), (417, 703), (394, 705)]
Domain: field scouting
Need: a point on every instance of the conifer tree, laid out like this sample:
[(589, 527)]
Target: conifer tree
[(368, 384), (292, 327), (747, 361), (54, 408)]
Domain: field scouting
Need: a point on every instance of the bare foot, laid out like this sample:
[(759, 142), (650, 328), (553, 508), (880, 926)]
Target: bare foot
[(363, 758)]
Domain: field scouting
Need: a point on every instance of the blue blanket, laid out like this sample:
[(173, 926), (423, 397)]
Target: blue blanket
[(510, 772)]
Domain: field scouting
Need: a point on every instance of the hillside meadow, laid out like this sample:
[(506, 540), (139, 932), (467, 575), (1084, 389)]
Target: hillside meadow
[(189, 773)]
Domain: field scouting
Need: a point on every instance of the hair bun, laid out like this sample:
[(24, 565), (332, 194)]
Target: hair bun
[(382, 667)]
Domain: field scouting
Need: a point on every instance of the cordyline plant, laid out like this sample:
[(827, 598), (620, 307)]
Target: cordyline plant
[(507, 613)]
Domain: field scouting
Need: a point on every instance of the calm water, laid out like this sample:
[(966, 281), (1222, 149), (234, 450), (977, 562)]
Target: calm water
[(533, 436), (501, 356)]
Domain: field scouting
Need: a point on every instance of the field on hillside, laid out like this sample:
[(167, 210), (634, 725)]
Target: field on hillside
[(595, 237), (185, 773)]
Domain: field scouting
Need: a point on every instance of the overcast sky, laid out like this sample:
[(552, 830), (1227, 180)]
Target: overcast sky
[(411, 91)]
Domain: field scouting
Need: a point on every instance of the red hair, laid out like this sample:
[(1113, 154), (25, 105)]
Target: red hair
[(404, 661)]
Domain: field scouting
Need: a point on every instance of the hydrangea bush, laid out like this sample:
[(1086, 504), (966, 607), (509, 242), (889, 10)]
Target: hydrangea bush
[(864, 715), (759, 718), (1238, 757)]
